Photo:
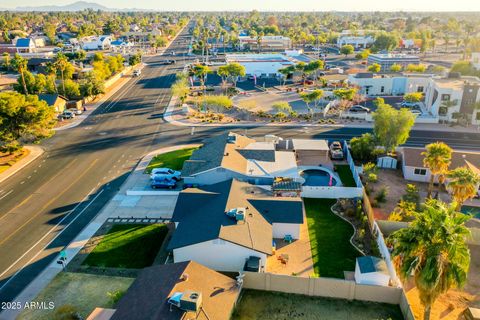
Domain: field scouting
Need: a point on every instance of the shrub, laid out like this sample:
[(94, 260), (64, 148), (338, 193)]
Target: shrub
[(372, 177), (280, 115), (382, 195), (217, 103), (411, 194), (115, 296)]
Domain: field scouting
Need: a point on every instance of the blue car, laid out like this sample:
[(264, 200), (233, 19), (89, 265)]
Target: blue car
[(161, 183)]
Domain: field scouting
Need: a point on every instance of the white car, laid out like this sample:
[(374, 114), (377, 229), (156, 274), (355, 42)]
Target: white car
[(165, 173), (68, 114), (137, 73), (76, 111), (416, 112)]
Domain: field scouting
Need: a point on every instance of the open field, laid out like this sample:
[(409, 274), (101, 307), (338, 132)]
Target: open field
[(128, 246), (173, 160), (84, 292), (279, 306), (332, 252)]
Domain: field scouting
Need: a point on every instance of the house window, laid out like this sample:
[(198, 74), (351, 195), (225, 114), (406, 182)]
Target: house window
[(445, 97), (420, 89), (420, 172), (382, 89)]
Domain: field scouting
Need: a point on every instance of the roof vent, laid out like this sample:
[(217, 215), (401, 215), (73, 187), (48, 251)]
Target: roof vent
[(184, 277)]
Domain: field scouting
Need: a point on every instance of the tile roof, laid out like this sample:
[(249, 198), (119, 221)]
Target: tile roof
[(147, 297), (412, 157), (201, 214)]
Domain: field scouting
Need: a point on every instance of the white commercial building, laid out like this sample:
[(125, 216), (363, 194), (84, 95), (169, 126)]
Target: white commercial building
[(265, 42), (386, 60), (262, 65), (358, 42)]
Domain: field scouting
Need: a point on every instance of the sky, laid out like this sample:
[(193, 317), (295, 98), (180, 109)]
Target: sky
[(270, 5)]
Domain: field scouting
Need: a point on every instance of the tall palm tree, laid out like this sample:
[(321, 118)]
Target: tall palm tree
[(433, 249), (61, 62), (437, 158), (463, 184), (20, 64)]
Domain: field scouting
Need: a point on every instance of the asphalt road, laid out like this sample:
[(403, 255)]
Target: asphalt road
[(44, 206)]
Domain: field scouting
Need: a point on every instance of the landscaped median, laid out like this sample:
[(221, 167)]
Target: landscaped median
[(173, 159)]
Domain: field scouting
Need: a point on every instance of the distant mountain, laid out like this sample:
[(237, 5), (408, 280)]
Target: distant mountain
[(76, 6)]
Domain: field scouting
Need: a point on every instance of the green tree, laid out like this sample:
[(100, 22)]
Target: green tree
[(347, 49), (433, 249), (404, 211), (374, 67), (61, 64), (465, 68), (24, 117), (287, 72), (201, 71), (345, 93), (72, 89), (91, 86), (385, 41), (413, 97), (392, 127), (181, 89), (20, 64), (396, 67), (135, 59), (416, 68), (6, 60), (363, 147), (463, 184), (437, 157)]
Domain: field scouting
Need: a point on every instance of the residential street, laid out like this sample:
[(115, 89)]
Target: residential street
[(45, 205)]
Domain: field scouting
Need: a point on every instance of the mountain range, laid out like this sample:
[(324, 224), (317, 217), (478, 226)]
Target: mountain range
[(76, 6)]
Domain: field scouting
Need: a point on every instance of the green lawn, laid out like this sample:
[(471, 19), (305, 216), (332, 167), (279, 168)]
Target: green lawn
[(128, 246), (280, 306), (345, 175), (84, 292), (332, 252), (173, 160)]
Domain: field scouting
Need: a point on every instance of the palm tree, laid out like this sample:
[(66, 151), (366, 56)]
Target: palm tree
[(463, 184), (20, 64), (61, 62), (437, 158), (432, 249), (51, 69)]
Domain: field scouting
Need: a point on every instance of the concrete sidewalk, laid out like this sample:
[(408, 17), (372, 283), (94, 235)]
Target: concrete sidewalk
[(35, 152), (121, 205)]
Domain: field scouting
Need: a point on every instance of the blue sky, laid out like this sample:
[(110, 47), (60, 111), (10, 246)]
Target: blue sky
[(272, 5)]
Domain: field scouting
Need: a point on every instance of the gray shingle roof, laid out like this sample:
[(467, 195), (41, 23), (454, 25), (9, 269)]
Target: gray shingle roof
[(201, 215), (50, 99)]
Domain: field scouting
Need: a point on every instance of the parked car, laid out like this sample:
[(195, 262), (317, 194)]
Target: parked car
[(407, 104), (137, 73), (416, 111), (166, 173), (358, 109), (77, 112), (163, 183), (68, 114), (172, 53), (336, 151)]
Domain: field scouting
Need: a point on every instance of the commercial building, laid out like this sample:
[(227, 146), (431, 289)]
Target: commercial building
[(268, 43), (262, 65), (358, 42), (386, 60)]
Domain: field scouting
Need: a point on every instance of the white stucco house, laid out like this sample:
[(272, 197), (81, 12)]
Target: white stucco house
[(372, 271), (224, 224), (414, 170), (96, 42)]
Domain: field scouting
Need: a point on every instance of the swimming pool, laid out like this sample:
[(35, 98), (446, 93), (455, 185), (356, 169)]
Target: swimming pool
[(318, 177), (474, 211)]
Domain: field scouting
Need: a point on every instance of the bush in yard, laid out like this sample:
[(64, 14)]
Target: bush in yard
[(411, 194), (372, 177), (413, 97), (135, 59), (115, 296), (404, 211), (282, 106), (363, 147), (67, 312), (382, 195), (281, 115)]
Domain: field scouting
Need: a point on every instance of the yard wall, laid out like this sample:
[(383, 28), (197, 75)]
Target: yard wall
[(331, 192), (328, 287)]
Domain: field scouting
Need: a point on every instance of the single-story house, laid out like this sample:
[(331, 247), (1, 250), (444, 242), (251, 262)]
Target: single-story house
[(185, 290), (414, 170), (224, 224), (25, 45), (232, 155), (371, 270), (96, 43), (54, 100)]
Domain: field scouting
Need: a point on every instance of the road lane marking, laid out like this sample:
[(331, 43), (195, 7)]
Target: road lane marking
[(45, 235), (49, 202), (6, 194)]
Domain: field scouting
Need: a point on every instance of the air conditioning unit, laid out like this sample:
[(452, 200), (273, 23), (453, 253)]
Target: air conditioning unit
[(191, 301)]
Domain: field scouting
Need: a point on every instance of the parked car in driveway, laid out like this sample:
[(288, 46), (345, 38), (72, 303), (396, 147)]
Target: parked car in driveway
[(67, 114), (77, 112), (336, 151), (163, 183), (165, 173), (358, 109)]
